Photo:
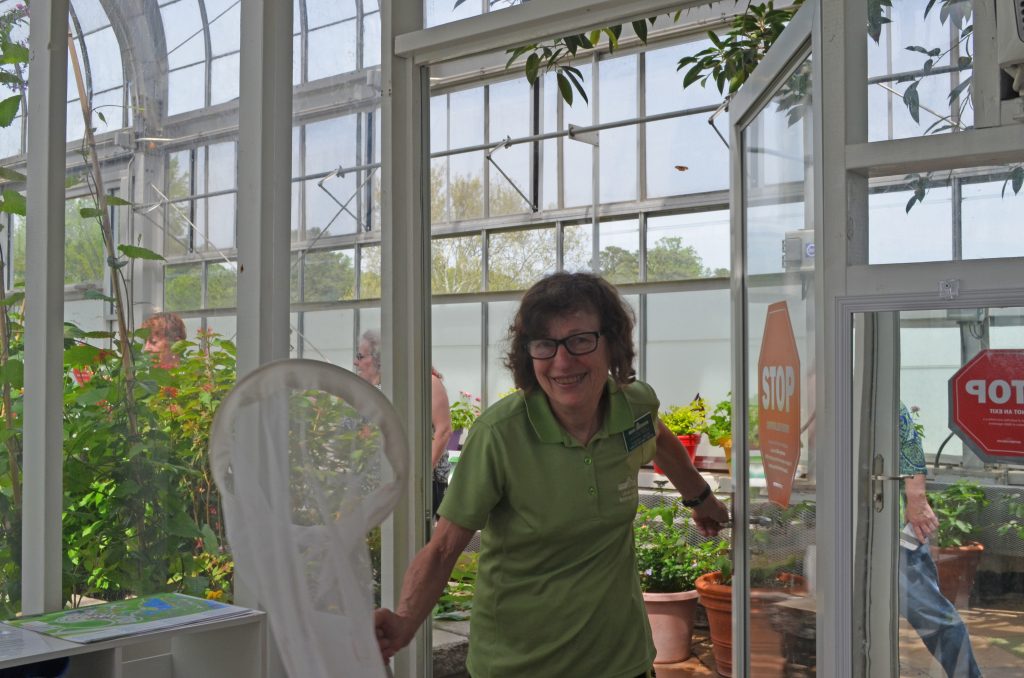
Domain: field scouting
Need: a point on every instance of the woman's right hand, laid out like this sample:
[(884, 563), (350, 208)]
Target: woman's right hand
[(393, 632)]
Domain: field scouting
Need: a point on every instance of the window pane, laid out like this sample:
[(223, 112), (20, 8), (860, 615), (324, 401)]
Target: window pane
[(332, 50), (371, 40), (692, 245), (323, 12), (991, 215), (331, 143), (84, 255), (183, 33), (467, 190), (617, 89), (225, 17), (329, 275), (327, 335), (369, 272), (578, 247), (664, 84), (456, 265), (90, 14), (506, 105), (221, 221), (182, 287), (224, 79), (466, 117), (579, 156), (186, 89), (618, 164), (324, 210), (517, 259), (499, 318), (104, 62), (925, 233), (620, 250), (686, 142), (437, 12), (221, 285), (438, 190), (455, 347)]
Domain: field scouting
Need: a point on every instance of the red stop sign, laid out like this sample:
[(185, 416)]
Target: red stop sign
[(778, 403), (986, 405)]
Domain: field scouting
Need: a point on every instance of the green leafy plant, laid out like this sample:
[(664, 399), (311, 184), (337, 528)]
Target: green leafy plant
[(957, 508), (730, 60), (1014, 505), (719, 427), (464, 411), (665, 561), (457, 600), (688, 419)]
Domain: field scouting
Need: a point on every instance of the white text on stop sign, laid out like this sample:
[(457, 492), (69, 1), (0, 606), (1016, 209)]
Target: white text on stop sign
[(998, 391), (778, 383)]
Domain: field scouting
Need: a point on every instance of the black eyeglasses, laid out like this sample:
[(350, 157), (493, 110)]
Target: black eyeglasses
[(360, 356), (576, 344)]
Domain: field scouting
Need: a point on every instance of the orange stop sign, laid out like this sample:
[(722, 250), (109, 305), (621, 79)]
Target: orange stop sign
[(778, 403)]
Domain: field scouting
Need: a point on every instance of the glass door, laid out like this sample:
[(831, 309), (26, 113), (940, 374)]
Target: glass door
[(774, 594), (938, 444)]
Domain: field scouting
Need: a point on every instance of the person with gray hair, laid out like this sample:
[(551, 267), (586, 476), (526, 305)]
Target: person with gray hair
[(367, 364)]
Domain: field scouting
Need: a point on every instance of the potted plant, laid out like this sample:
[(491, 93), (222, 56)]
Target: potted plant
[(668, 567), (771, 582), (688, 422), (464, 412), (719, 427), (956, 555)]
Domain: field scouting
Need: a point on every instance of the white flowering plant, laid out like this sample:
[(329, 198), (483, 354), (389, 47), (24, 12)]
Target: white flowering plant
[(665, 561), (464, 411)]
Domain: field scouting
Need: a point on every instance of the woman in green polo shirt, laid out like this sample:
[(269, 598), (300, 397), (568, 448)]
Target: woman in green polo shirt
[(549, 474)]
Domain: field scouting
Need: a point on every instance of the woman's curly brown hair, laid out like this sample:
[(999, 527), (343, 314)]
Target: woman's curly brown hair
[(560, 294)]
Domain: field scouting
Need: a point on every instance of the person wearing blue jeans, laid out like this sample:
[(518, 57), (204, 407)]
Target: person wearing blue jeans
[(922, 604)]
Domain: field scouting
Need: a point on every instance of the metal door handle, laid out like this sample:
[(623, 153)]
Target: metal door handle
[(897, 477)]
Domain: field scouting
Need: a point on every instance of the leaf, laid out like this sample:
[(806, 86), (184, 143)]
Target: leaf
[(81, 354), (577, 80), (115, 200), (913, 101), (13, 203), (955, 92), (640, 28), (9, 108), (14, 54), (101, 117), (532, 65), (96, 294), (12, 299), (917, 48), (211, 545), (7, 174), (910, 203), (133, 252), (13, 373), (90, 213), (564, 88)]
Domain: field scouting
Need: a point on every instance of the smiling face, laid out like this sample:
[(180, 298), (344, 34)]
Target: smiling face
[(574, 384)]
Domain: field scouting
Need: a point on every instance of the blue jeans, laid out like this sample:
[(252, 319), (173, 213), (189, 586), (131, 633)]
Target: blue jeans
[(932, 616)]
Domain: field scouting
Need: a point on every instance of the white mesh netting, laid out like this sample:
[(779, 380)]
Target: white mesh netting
[(309, 459)]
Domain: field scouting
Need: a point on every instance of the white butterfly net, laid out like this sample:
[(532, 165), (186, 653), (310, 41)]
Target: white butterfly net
[(309, 458)]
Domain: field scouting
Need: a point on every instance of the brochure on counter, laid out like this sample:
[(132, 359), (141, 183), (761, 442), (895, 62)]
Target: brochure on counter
[(144, 614)]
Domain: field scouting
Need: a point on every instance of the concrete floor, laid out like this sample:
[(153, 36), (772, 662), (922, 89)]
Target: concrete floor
[(997, 636)]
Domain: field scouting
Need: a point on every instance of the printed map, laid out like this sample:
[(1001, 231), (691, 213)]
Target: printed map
[(144, 614)]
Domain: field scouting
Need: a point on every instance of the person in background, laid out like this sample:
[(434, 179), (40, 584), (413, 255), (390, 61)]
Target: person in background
[(367, 364), (922, 604), (164, 330), (549, 474)]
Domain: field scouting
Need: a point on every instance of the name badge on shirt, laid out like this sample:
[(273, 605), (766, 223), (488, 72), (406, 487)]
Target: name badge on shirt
[(640, 433)]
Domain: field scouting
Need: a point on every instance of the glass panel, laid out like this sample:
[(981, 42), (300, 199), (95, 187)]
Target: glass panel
[(371, 40), (225, 17), (690, 245), (664, 84), (780, 440), (579, 156), (322, 12), (185, 89), (578, 247), (620, 250), (683, 157), (224, 75), (369, 273), (84, 254), (183, 33), (969, 213), (499, 319), (916, 61), (332, 50), (104, 57), (506, 105), (183, 287), (221, 285), (437, 12), (933, 403), (467, 186), (549, 148), (456, 265), (517, 259), (618, 164), (456, 350), (327, 335), (328, 275), (90, 14)]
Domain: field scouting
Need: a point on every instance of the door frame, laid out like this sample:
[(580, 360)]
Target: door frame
[(796, 43)]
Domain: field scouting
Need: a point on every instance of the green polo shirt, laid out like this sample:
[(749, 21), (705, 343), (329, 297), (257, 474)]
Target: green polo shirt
[(557, 592)]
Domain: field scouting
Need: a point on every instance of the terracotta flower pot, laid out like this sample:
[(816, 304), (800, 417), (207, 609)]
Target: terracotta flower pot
[(671, 617), (717, 601), (957, 567)]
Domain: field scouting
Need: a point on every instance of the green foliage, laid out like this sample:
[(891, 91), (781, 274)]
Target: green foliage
[(665, 561), (1014, 505), (464, 411), (957, 508), (457, 600), (729, 61), (687, 419), (719, 426)]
